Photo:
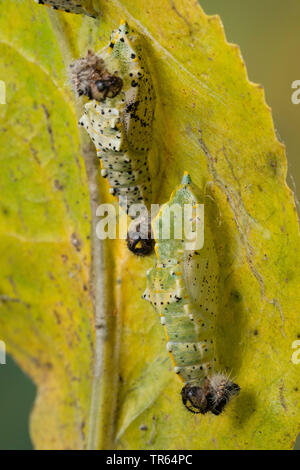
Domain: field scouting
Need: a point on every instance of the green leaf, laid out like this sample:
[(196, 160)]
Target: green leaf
[(210, 121)]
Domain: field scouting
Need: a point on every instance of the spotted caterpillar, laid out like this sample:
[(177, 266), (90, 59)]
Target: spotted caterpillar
[(70, 6), (183, 288), (118, 119)]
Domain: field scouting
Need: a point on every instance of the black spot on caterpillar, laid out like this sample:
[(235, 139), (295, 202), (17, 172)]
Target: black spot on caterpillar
[(118, 119), (70, 6), (183, 288)]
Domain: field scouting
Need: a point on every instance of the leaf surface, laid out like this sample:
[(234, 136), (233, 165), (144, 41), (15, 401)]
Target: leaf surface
[(210, 121)]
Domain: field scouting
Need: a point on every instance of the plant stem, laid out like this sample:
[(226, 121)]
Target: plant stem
[(100, 427)]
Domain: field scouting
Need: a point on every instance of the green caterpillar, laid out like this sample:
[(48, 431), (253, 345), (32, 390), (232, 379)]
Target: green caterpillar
[(70, 6), (118, 118), (183, 288)]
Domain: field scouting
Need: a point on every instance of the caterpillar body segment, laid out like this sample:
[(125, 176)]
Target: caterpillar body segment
[(71, 6), (183, 288)]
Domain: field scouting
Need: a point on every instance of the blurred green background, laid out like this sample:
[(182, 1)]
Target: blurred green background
[(17, 394), (269, 36)]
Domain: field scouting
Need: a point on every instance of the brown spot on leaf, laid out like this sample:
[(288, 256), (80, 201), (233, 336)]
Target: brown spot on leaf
[(64, 258), (281, 396), (76, 242), (58, 185), (58, 320)]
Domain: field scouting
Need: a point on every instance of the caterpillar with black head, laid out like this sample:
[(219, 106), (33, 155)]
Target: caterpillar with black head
[(84, 7), (118, 119), (183, 288)]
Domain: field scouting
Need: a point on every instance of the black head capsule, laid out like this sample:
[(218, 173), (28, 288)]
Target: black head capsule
[(139, 239), (212, 396), (89, 76), (100, 84), (106, 87)]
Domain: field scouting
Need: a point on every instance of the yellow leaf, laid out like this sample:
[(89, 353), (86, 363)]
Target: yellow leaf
[(210, 121)]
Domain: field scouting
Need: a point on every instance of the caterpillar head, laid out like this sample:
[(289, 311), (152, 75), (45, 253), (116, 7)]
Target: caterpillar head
[(212, 396), (139, 239), (89, 77)]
